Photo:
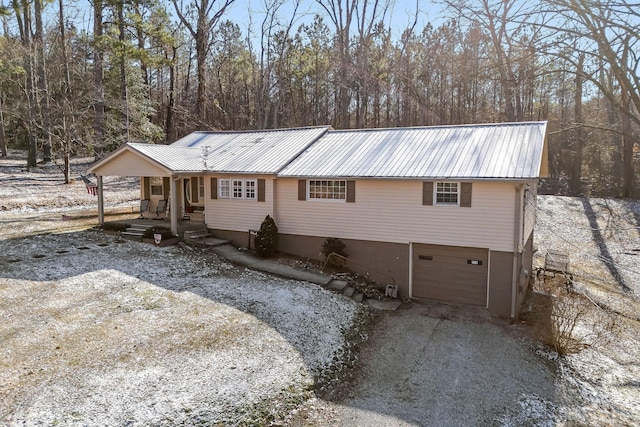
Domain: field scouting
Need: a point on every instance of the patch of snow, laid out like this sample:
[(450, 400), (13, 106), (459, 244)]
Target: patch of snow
[(156, 335)]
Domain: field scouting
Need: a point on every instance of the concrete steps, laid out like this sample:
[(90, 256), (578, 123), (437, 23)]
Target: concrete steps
[(135, 232)]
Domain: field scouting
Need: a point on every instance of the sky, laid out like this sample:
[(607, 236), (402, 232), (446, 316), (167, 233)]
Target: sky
[(401, 15), (243, 12)]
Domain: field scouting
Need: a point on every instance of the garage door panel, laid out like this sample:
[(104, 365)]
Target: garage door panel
[(451, 274)]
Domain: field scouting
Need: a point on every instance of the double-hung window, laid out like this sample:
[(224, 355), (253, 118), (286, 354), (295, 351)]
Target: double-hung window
[(250, 189), (237, 186), (156, 186), (447, 193), (242, 189), (327, 189), (224, 189)]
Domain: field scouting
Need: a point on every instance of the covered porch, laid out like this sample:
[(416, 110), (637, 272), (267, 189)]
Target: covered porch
[(169, 177), (182, 225)]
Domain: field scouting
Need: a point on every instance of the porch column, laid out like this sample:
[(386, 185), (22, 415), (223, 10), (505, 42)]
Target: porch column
[(173, 212), (100, 202)]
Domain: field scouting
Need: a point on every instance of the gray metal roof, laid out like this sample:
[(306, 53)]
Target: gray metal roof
[(506, 150), (177, 159), (264, 151)]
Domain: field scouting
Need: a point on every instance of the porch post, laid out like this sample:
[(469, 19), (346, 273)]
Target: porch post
[(173, 212), (100, 202)]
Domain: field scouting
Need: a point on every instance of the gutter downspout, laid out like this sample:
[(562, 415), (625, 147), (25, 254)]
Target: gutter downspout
[(517, 247)]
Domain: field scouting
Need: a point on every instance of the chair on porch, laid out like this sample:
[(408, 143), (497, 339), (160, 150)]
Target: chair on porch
[(144, 207), (161, 209)]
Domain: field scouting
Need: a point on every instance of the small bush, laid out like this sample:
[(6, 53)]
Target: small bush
[(334, 246), (266, 240), (576, 324)]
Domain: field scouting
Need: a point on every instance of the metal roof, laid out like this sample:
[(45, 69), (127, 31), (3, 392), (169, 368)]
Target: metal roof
[(263, 151), (177, 159), (505, 150)]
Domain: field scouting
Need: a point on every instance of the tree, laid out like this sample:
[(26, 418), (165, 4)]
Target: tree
[(206, 14), (508, 25), (98, 80), (266, 239), (606, 34)]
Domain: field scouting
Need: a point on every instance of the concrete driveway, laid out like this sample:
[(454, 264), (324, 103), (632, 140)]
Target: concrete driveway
[(432, 364)]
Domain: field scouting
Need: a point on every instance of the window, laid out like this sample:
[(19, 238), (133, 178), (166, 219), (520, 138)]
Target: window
[(237, 188), (327, 190), (225, 189), (250, 189), (156, 186), (447, 193), (246, 189)]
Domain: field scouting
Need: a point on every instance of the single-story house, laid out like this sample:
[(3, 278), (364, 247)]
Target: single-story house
[(447, 212)]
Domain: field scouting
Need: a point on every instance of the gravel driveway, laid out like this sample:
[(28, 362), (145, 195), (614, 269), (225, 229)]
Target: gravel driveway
[(436, 365)]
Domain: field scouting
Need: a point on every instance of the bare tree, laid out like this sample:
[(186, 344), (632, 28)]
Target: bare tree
[(342, 13), (42, 98), (508, 25), (606, 33), (98, 80), (207, 14)]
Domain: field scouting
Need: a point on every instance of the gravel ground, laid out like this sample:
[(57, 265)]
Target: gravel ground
[(434, 364)]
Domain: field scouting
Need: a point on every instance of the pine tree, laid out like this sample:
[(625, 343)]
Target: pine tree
[(266, 240)]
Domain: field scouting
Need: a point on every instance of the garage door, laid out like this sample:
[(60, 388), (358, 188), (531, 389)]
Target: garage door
[(451, 274)]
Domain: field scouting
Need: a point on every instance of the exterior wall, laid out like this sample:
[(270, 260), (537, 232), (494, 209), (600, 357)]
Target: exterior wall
[(382, 262), (234, 214), (130, 164), (529, 214), (525, 271), (154, 199), (500, 281), (392, 211), (237, 238)]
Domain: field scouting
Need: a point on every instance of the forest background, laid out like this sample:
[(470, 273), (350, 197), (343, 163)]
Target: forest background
[(88, 77)]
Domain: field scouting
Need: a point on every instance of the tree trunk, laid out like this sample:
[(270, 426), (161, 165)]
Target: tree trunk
[(3, 139), (66, 93), (98, 81), (24, 26), (42, 100), (578, 132), (123, 71), (627, 148), (170, 134)]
